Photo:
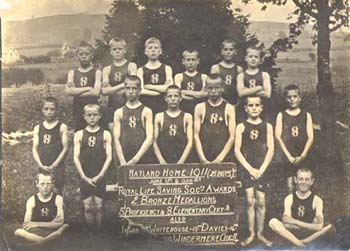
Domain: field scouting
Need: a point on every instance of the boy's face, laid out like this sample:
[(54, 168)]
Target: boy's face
[(253, 58), (49, 111), (228, 51), (44, 184), (173, 98), (253, 107), (85, 56), (153, 51), (132, 90), (191, 61), (303, 181), (118, 50), (293, 99), (214, 88), (92, 116)]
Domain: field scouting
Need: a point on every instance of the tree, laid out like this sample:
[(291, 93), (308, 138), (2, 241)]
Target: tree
[(326, 16), (180, 25)]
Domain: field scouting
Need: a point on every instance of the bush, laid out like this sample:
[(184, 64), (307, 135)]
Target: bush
[(42, 59), (20, 76)]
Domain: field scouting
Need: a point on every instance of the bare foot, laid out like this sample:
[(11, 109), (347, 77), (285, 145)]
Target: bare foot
[(265, 241), (248, 241)]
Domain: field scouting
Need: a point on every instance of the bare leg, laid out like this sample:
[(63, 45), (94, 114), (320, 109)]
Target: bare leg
[(290, 185), (99, 215), (54, 235), (281, 230), (251, 216), (260, 218), (27, 236), (114, 154), (89, 211), (317, 234)]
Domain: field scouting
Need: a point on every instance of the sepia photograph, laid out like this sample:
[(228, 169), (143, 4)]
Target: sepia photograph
[(175, 125)]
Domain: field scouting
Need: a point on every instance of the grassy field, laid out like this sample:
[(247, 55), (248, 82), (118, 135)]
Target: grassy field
[(21, 111)]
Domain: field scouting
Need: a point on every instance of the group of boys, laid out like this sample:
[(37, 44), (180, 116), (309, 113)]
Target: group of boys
[(147, 108)]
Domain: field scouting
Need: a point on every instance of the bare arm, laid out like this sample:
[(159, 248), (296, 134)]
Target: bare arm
[(278, 135), (148, 123), (59, 219), (107, 89), (270, 149), (132, 69), (168, 81), (189, 134), (198, 115), (96, 90), (244, 91), (266, 92), (178, 79), (71, 90), (118, 115), (29, 210), (230, 117), (158, 122), (238, 144), (108, 149), (310, 135), (54, 224), (215, 69), (76, 157), (35, 149), (317, 224), (64, 140)]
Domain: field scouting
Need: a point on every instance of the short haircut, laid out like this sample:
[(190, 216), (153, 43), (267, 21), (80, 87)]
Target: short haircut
[(134, 79), (84, 44), (50, 99), (229, 41), (291, 87), (190, 51), (256, 49), (153, 40), (304, 169), (252, 96), (98, 107), (117, 40), (213, 77), (44, 173), (173, 87)]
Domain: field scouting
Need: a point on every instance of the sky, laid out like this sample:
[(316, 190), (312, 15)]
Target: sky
[(26, 9)]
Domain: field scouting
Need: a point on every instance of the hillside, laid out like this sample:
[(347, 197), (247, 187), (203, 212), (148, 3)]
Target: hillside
[(54, 30)]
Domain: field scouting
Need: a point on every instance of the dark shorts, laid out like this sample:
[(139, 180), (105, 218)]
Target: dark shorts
[(290, 170), (110, 113), (262, 184), (87, 190)]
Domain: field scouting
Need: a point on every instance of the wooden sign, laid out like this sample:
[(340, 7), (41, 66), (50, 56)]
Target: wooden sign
[(190, 204)]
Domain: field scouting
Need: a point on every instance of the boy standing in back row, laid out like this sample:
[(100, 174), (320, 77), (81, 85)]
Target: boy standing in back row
[(155, 77), (84, 84), (191, 82), (113, 77), (228, 70), (253, 81)]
